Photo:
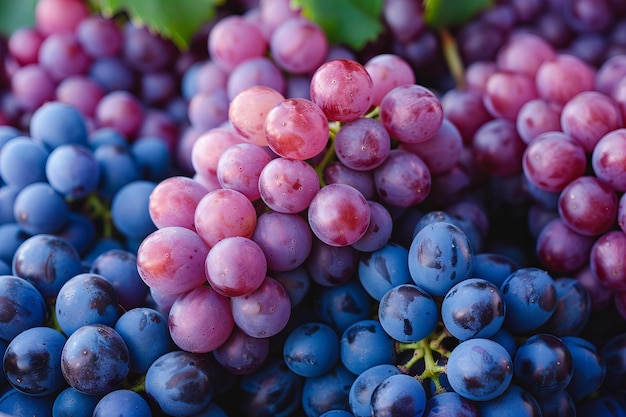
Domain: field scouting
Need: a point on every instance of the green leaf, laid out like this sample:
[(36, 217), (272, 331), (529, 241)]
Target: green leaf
[(178, 20), (15, 14), (350, 22), (448, 13)]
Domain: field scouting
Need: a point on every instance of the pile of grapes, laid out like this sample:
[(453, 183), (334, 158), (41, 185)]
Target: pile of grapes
[(268, 224)]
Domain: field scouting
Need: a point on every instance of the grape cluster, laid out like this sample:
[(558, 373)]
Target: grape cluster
[(272, 225)]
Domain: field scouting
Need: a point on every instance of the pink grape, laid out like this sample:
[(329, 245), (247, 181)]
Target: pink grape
[(362, 144), (235, 266), (200, 320), (343, 89), (465, 108), (387, 72), (337, 172), (240, 167), (233, 40), (403, 180), (207, 149), (247, 112), (608, 159), (296, 128), (524, 53), (607, 260), (411, 113), (298, 45), (379, 230), (264, 312), (507, 92), (171, 260), (224, 213), (288, 185), (173, 202), (562, 78), (339, 215), (538, 116), (498, 149), (561, 249), (610, 73), (600, 295), (588, 205)]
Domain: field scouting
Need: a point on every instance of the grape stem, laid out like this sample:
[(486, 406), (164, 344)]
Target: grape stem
[(423, 350), (98, 210), (329, 156), (453, 58)]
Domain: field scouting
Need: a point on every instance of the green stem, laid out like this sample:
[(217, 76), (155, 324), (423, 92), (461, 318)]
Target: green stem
[(333, 129), (98, 210), (374, 113), (418, 354), (453, 58)]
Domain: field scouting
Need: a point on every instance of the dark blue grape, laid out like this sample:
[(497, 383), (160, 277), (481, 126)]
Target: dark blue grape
[(181, 383), (543, 365), (153, 157), (39, 209), (337, 413), (506, 339), (614, 353), (72, 170), (122, 403), (32, 361), (589, 367), (360, 395), (473, 308), (560, 404), (494, 267), (56, 123), (146, 334), (129, 210), (47, 262), (530, 299), (95, 359), (440, 256), (17, 404), (383, 269), (86, 298), (21, 306), (366, 344), (8, 194), (79, 231), (271, 391), (117, 168), (450, 404), (573, 308), (23, 162), (327, 392), (106, 136), (399, 396), (407, 313), (11, 237), (513, 402), (479, 369), (342, 305), (331, 265), (212, 410), (603, 406), (311, 349), (113, 73), (73, 403), (119, 267)]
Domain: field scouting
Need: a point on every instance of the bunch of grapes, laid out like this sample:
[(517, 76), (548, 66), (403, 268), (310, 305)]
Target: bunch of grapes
[(272, 225)]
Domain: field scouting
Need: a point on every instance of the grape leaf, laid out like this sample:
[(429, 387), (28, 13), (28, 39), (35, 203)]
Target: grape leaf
[(448, 13), (16, 14), (350, 22), (178, 20)]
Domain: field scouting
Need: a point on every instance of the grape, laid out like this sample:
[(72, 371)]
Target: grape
[(298, 45), (81, 92), (330, 265), (181, 383), (537, 116), (173, 202), (388, 71), (288, 185), (62, 56), (604, 260), (152, 155), (336, 172), (296, 128), (339, 215), (607, 160), (441, 152), (208, 110), (39, 208), (563, 77), (117, 168), (123, 401), (32, 361), (557, 404), (72, 403), (72, 170), (311, 350), (543, 365), (235, 266), (207, 149), (407, 313), (32, 87), (473, 308), (296, 282), (57, 123), (171, 259), (383, 269), (403, 179), (378, 232), (11, 237), (507, 92), (22, 162), (248, 109), (362, 144), (23, 45), (260, 71), (365, 344), (514, 401), (498, 148), (95, 359), (411, 113), (113, 73), (53, 16), (327, 392), (145, 52), (121, 110), (234, 40), (466, 110), (589, 367), (479, 369), (240, 167), (561, 249), (449, 404), (361, 390), (405, 19), (99, 37), (342, 305), (400, 395), (241, 354), (524, 53), (212, 324), (12, 401)]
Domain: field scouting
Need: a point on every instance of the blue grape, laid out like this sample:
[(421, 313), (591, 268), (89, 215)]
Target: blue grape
[(72, 170), (327, 392), (11, 237), (39, 208), (102, 245), (17, 404), (8, 194), (146, 334), (366, 344), (21, 306), (271, 391), (360, 395), (530, 299), (572, 311), (95, 359), (543, 365), (117, 168), (560, 404), (383, 269), (7, 133), (336, 413), (47, 262), (399, 396), (5, 268), (479, 369), (32, 361), (342, 305), (212, 410), (106, 136), (408, 313), (513, 402), (440, 256), (465, 224), (450, 404), (494, 267), (122, 403), (119, 267), (331, 265), (86, 298), (589, 367), (79, 231), (473, 308), (129, 209), (73, 403), (153, 157), (23, 162), (181, 383), (311, 349), (603, 406), (506, 339), (614, 353), (56, 123), (4, 384)]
